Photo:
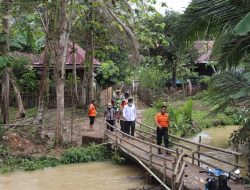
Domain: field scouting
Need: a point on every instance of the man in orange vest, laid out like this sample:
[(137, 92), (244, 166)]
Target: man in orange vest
[(162, 122), (92, 114)]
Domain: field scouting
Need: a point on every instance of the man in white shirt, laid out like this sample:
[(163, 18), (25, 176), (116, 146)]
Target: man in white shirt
[(129, 114)]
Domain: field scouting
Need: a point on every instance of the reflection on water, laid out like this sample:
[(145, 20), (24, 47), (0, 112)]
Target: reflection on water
[(90, 176)]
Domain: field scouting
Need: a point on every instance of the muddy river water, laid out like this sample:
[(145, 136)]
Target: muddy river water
[(219, 137), (89, 176)]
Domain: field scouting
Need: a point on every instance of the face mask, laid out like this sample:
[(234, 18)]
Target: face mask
[(130, 104)]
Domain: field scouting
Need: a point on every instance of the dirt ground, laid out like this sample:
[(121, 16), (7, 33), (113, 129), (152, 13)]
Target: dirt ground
[(22, 140)]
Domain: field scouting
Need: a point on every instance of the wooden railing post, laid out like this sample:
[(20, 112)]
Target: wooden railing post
[(237, 156), (173, 175), (150, 155), (115, 137), (198, 150), (177, 153), (193, 152), (165, 171), (140, 134)]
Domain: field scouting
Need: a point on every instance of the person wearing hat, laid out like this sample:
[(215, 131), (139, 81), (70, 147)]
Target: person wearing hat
[(120, 117), (109, 116)]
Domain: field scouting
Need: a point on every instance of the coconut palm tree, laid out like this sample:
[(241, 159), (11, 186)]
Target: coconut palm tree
[(227, 22)]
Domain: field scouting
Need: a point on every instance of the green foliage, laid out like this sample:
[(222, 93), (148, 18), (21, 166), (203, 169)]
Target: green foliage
[(216, 19), (72, 155), (29, 164), (117, 158), (108, 74), (2, 131), (241, 135), (190, 117), (70, 80), (243, 27), (148, 116), (151, 77), (159, 103), (181, 118), (28, 81), (187, 111), (228, 88), (85, 154), (4, 151)]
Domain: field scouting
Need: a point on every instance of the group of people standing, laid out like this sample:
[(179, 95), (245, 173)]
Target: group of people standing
[(124, 112)]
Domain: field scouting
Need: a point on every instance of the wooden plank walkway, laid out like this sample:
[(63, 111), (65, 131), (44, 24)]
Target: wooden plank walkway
[(164, 166)]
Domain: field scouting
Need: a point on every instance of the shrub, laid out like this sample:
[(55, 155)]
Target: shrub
[(84, 154), (117, 158)]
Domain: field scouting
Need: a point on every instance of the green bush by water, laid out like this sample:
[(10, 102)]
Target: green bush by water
[(72, 155), (86, 154)]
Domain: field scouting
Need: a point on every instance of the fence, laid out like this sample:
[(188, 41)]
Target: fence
[(148, 133)]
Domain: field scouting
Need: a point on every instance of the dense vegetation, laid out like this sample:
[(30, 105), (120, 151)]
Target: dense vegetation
[(133, 41), (72, 155), (188, 117)]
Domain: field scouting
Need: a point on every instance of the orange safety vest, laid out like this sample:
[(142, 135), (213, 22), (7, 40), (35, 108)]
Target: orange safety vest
[(92, 110), (162, 119)]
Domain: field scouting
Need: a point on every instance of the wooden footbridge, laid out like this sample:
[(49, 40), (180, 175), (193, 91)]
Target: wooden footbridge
[(179, 169)]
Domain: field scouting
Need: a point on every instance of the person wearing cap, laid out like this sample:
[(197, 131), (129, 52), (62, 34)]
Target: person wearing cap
[(109, 116), (120, 117), (129, 114), (162, 123)]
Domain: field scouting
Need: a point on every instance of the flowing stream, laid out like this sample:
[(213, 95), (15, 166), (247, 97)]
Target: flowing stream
[(88, 176)]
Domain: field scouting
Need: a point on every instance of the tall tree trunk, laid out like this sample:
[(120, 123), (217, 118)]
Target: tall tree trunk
[(4, 50), (43, 86), (74, 73), (59, 46), (5, 96), (90, 59), (21, 111)]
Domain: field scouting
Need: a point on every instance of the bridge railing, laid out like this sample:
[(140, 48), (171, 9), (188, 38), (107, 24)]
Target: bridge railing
[(117, 136), (148, 133)]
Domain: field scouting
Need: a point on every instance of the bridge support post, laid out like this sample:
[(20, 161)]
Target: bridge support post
[(173, 175)]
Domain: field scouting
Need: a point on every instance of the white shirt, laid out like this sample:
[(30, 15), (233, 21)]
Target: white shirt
[(129, 112)]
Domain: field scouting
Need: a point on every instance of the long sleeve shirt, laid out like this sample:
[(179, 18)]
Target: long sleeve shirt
[(129, 112)]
